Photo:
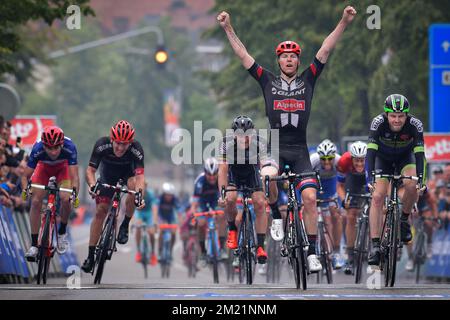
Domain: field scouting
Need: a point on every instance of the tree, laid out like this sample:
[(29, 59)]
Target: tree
[(15, 55)]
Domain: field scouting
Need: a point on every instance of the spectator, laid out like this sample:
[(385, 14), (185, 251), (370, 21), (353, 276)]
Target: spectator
[(13, 158), (447, 173), (11, 169), (444, 206)]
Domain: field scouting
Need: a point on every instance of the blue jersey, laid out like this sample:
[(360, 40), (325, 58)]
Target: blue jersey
[(328, 178), (167, 209), (205, 193), (68, 153)]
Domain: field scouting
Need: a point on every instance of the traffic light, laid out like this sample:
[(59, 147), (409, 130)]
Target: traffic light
[(161, 56)]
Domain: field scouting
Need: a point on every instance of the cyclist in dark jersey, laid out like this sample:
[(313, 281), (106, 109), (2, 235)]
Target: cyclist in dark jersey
[(288, 100), (119, 157), (241, 157), (395, 140), (206, 194)]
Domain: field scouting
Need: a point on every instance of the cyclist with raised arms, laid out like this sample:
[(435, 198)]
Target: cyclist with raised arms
[(352, 178), (55, 155), (325, 161), (119, 156), (288, 100), (395, 139)]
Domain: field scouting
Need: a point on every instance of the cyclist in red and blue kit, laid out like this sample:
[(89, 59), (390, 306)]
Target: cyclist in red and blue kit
[(55, 155)]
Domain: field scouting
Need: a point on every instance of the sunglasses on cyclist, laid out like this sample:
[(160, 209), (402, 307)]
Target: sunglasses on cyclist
[(327, 158)]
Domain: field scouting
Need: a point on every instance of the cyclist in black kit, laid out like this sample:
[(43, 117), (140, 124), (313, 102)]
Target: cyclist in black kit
[(395, 138), (241, 156), (288, 100), (120, 157)]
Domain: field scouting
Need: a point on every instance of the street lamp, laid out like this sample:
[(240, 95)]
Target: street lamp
[(112, 39)]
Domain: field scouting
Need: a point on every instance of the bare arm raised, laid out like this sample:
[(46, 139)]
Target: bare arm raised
[(239, 49), (330, 42)]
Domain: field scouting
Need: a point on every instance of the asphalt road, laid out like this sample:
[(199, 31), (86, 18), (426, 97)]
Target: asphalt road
[(124, 279)]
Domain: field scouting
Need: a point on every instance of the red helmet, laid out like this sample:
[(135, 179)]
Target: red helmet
[(288, 46), (52, 136), (122, 131)]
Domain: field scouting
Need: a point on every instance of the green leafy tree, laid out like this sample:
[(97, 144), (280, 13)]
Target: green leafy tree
[(15, 54)]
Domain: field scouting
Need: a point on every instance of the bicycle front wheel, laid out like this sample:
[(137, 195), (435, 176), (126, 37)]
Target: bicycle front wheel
[(214, 259), (293, 245), (300, 250), (43, 251), (145, 256), (394, 242), (326, 250), (102, 250), (360, 249)]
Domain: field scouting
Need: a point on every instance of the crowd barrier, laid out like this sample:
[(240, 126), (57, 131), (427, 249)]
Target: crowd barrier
[(15, 239), (438, 266)]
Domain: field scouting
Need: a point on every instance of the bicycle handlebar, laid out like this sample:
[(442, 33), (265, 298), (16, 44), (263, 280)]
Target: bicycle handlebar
[(365, 196), (235, 189), (394, 176), (120, 188), (43, 187), (293, 176), (209, 213), (166, 226), (319, 201)]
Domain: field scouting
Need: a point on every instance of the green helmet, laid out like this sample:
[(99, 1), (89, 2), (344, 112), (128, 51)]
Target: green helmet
[(396, 103)]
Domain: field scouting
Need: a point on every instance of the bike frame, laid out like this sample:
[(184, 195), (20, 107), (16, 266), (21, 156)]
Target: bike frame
[(106, 245), (390, 235), (324, 242), (48, 228), (295, 240), (361, 245), (246, 237)]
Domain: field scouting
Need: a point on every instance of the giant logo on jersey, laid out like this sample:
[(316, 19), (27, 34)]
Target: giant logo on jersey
[(289, 105)]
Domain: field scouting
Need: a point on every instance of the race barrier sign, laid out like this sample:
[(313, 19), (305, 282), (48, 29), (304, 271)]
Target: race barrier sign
[(15, 240)]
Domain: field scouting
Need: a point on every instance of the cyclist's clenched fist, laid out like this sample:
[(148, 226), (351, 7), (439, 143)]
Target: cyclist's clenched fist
[(349, 14), (224, 19)]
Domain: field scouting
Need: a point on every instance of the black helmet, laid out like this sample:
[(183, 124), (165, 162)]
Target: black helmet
[(242, 122), (396, 103)]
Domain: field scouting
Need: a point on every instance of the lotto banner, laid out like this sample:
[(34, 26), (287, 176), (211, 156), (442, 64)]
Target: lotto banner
[(29, 128), (437, 147)]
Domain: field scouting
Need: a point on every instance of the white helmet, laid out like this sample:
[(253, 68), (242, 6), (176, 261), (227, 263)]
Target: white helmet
[(358, 149), (168, 188), (211, 166), (326, 148)]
